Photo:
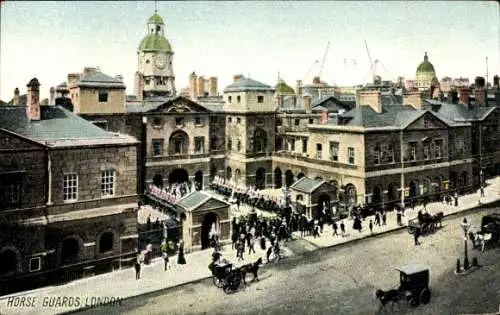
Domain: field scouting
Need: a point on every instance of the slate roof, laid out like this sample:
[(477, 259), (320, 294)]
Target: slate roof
[(195, 199), (331, 103), (99, 79), (307, 185), (247, 84), (23, 100), (457, 113), (391, 116), (57, 127), (213, 103), (151, 104)]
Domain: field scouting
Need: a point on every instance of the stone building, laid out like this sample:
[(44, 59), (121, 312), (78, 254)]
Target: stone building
[(68, 195)]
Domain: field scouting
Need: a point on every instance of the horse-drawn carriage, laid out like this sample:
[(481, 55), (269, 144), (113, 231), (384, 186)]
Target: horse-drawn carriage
[(425, 222), (488, 234), (413, 288), (225, 276)]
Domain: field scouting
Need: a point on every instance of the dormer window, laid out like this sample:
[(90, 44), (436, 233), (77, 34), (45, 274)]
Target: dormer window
[(260, 99)]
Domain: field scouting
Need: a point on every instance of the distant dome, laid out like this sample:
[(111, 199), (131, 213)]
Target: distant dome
[(283, 88), (155, 42), (155, 19), (425, 66)]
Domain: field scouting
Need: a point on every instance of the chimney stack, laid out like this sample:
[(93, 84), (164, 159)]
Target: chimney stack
[(90, 70), (212, 86), (464, 95), (298, 87), (237, 77), (453, 96), (73, 77), (200, 86), (414, 98), (372, 98), (496, 83), (324, 117), (307, 103), (33, 100), (316, 80), (52, 96), (192, 85), (15, 100)]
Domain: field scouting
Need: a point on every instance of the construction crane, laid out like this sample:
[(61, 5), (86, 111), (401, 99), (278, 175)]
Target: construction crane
[(370, 60), (324, 59)]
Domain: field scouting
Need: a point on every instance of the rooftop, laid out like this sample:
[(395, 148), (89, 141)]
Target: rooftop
[(155, 42), (247, 84), (99, 79), (307, 185)]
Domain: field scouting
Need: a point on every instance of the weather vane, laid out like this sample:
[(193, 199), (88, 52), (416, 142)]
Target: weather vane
[(156, 7)]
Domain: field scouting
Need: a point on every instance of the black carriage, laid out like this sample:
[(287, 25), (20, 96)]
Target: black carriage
[(425, 222), (491, 224), (414, 283), (225, 276)]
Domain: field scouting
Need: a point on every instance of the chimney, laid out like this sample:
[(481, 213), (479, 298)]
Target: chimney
[(237, 77), (212, 86), (414, 98), (496, 83), (464, 96), (324, 117), (15, 100), (480, 82), (480, 96), (453, 97), (372, 98), (52, 96), (200, 86), (90, 70), (298, 87), (73, 77), (307, 103), (316, 80), (192, 85), (33, 100)]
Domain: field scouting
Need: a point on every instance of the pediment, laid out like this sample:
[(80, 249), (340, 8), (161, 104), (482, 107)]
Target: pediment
[(10, 140), (427, 121), (211, 203), (181, 104)]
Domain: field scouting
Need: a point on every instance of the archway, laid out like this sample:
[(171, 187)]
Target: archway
[(300, 175), (158, 180), (260, 178), (377, 195), (463, 179), (427, 186), (8, 262), (324, 206), (198, 180), (210, 222), (350, 194), (71, 250), (392, 192), (453, 180), (237, 176), (288, 178), (178, 143), (413, 188), (106, 242), (229, 173), (260, 140), (277, 178), (179, 175)]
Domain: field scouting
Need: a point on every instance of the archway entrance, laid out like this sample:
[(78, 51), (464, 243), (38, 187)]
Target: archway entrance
[(392, 195), (300, 175), (288, 178), (8, 262), (229, 173), (453, 180), (179, 175), (198, 180), (324, 206), (210, 223), (158, 180), (377, 196), (413, 189), (260, 179), (277, 178), (70, 250)]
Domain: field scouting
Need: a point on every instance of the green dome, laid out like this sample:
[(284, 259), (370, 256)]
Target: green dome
[(283, 88), (155, 42), (155, 19), (425, 66)]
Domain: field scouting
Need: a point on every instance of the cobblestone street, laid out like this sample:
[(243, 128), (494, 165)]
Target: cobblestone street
[(342, 280)]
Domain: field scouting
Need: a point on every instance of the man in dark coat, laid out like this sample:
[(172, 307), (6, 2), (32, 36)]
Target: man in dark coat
[(416, 235), (137, 270), (334, 227), (342, 228)]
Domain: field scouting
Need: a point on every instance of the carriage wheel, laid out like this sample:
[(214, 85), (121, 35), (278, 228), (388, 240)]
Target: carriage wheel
[(425, 296), (217, 282)]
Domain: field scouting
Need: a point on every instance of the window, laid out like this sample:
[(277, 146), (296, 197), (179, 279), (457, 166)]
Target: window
[(70, 187), (278, 144), (108, 183), (35, 264), (390, 153), (350, 155), (459, 145), (319, 150), (229, 99), (179, 121), (311, 121), (297, 122), (260, 99), (412, 151), (438, 149), (229, 119), (197, 120), (260, 121), (157, 147), (238, 120), (334, 151), (10, 190), (213, 144), (279, 122), (238, 99), (199, 145), (103, 96), (157, 122), (426, 122), (304, 145), (377, 154), (426, 151), (238, 147), (229, 144), (291, 145), (106, 242)]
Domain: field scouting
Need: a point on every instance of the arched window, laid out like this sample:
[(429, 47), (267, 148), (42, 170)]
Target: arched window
[(237, 175), (238, 146), (229, 144), (260, 140), (106, 242), (178, 143), (229, 173)]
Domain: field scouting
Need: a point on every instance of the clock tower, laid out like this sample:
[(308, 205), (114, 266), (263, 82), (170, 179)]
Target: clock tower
[(155, 74)]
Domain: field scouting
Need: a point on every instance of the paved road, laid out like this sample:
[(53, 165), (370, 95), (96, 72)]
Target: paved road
[(342, 280)]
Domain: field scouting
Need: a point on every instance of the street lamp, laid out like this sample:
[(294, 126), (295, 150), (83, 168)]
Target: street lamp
[(465, 227)]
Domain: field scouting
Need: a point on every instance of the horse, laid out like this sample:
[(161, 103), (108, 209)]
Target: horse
[(252, 268), (388, 296), (482, 239)]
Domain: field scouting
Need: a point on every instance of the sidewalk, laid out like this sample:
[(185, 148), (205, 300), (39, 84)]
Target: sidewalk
[(122, 284)]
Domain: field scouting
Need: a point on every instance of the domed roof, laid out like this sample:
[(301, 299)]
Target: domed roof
[(155, 42), (247, 84), (425, 66), (283, 88), (155, 19)]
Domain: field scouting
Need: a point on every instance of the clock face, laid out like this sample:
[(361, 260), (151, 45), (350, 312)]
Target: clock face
[(160, 61)]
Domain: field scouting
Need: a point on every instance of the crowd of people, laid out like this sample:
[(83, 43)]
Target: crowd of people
[(172, 192)]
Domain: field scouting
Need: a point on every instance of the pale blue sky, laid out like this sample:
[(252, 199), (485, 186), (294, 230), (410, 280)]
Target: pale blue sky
[(50, 39)]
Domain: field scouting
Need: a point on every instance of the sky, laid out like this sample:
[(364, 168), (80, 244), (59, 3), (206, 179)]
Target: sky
[(262, 40)]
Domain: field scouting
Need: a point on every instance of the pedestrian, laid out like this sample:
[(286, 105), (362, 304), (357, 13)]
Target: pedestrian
[(321, 225), (456, 199), (425, 204), (148, 222), (165, 259), (370, 225), (416, 235), (377, 218), (384, 218), (316, 231), (181, 260), (241, 249), (481, 189), (334, 227), (137, 270), (263, 242), (342, 228), (251, 246)]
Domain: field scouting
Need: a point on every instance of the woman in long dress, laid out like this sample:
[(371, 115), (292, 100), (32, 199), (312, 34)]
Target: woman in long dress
[(181, 260)]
